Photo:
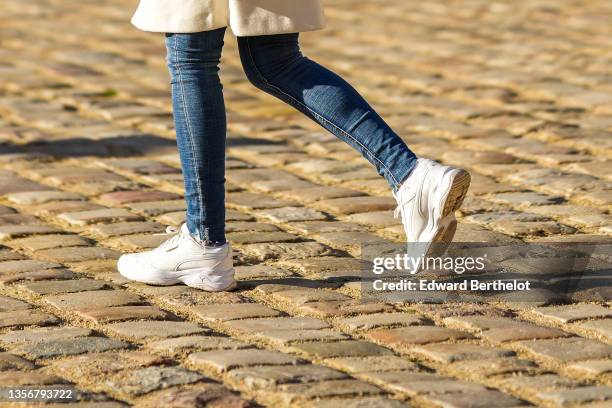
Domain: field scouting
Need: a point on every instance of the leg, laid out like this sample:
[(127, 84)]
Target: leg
[(275, 64), (199, 113)]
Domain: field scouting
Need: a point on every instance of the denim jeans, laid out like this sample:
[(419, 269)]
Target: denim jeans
[(274, 64)]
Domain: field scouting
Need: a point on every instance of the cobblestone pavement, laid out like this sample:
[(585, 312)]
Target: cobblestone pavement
[(519, 92)]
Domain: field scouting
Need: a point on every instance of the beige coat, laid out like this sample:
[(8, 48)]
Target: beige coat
[(245, 17)]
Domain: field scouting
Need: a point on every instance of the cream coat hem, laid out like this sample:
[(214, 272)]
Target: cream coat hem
[(244, 17)]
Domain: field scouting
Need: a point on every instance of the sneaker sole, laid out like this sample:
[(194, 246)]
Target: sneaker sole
[(454, 200), (192, 280), (457, 193)]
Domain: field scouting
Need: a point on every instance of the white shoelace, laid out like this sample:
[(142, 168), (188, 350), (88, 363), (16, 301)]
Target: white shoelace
[(172, 241)]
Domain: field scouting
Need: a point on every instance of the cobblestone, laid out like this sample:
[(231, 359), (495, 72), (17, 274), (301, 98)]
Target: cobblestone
[(92, 299), (88, 170), (145, 380), (54, 348), (153, 329), (228, 359), (26, 318)]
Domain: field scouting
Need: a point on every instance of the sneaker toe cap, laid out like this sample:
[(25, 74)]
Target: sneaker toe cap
[(127, 263)]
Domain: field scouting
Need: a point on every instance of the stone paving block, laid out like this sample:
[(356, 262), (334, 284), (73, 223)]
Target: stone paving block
[(591, 367), (233, 215), (145, 380), (373, 402), (172, 218), (246, 272), (492, 367), (353, 205), (15, 218), (96, 365), (120, 313), (141, 242), (274, 186), (10, 362), (10, 231), (65, 207), (233, 311), (179, 296), (363, 364), (311, 195), (46, 334), (40, 275), (315, 167), (262, 325), (105, 216), (209, 394), (185, 344), (40, 197), (301, 296), (376, 320), (350, 178), (477, 399), (55, 348), (243, 226), (126, 228), (566, 349), (375, 219), (29, 317), (225, 360), (20, 378), (342, 308), (292, 214), (77, 254), (254, 378), (155, 208), (140, 330), (415, 383), (285, 250), (602, 328), (318, 266), (577, 396), (8, 304), (450, 353), (349, 348), (251, 201), (41, 242), (119, 198), (523, 332), (65, 286), (352, 242), (480, 322), (288, 337), (525, 199), (403, 337), (243, 177), (10, 255), (243, 238), (14, 184), (286, 395), (574, 312), (320, 227), (92, 299)]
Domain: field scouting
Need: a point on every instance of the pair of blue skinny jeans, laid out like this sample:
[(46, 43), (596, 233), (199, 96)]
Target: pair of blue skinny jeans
[(274, 64)]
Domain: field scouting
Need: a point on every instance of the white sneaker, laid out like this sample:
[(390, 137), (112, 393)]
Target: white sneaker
[(182, 259), (427, 201)]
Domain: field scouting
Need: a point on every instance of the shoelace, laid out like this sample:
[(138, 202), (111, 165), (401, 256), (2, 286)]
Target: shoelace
[(172, 241)]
